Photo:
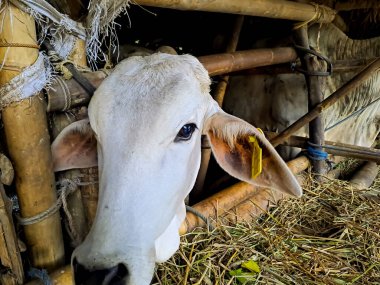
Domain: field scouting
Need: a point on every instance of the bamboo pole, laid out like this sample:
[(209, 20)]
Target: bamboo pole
[(219, 93), (315, 96), (328, 102), (335, 148), (278, 9), (218, 64), (77, 227), (223, 201), (340, 66), (67, 94), (27, 137)]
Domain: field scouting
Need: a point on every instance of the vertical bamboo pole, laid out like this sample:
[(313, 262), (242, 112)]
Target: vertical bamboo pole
[(89, 193), (27, 137), (315, 96), (218, 96), (78, 227), (75, 200)]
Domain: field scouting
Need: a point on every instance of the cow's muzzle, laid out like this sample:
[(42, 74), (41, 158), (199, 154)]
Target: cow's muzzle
[(106, 276)]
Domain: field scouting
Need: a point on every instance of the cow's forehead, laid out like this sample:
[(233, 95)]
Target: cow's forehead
[(144, 88)]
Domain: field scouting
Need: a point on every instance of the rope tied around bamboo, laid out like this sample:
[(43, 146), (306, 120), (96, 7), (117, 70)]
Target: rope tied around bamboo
[(320, 13), (65, 188)]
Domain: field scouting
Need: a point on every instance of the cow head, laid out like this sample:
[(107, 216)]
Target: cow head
[(147, 118)]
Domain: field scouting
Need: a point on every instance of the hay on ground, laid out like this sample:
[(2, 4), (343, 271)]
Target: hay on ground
[(329, 236)]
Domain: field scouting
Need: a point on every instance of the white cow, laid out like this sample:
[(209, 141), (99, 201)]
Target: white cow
[(273, 102), (148, 117)]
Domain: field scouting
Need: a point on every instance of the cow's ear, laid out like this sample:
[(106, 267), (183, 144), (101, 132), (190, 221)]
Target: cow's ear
[(75, 147), (230, 143)]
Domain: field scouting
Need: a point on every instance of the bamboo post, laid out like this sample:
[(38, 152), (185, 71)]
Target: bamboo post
[(278, 9), (77, 227), (328, 102), (315, 96), (223, 201), (9, 250), (27, 137), (219, 93), (82, 218)]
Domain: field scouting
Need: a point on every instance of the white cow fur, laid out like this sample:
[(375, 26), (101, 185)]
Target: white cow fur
[(144, 173), (273, 102)]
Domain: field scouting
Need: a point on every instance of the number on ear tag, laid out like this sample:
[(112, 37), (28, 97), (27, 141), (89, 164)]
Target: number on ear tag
[(257, 156)]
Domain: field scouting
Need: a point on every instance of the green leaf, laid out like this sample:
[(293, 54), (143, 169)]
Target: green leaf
[(251, 266), (242, 277)]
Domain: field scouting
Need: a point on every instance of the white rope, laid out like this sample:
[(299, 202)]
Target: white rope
[(29, 82)]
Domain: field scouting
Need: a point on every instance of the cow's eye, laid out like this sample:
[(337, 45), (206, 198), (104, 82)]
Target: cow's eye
[(185, 132)]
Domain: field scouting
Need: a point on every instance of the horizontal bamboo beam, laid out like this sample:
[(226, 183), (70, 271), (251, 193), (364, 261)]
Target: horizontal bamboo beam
[(218, 64), (278, 9), (74, 95), (328, 102), (225, 200), (66, 94), (335, 148), (339, 66)]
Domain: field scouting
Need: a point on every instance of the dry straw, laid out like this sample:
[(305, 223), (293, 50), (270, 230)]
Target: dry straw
[(329, 236)]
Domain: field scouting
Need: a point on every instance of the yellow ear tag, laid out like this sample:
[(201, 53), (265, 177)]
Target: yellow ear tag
[(257, 156)]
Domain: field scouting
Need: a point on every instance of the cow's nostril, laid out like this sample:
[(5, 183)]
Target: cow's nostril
[(108, 276)]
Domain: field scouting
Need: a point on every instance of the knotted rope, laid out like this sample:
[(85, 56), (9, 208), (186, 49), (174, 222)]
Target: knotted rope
[(320, 12), (66, 187), (315, 152)]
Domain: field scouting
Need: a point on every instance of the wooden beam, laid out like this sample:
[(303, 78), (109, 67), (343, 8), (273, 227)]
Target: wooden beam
[(278, 9)]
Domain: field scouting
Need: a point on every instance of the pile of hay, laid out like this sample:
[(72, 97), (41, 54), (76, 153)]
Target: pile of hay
[(329, 236)]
